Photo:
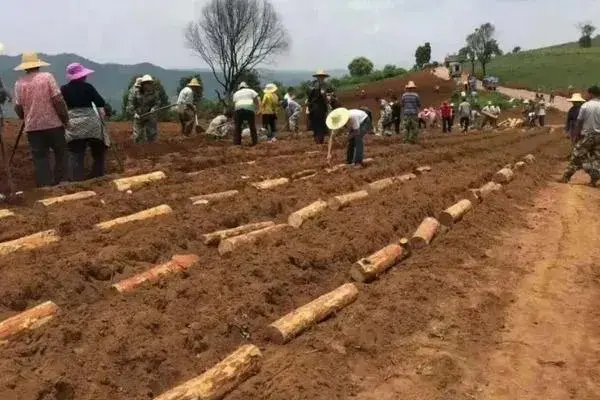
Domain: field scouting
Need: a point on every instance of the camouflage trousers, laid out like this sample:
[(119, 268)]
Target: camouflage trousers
[(585, 155), (145, 130), (293, 121), (411, 127)]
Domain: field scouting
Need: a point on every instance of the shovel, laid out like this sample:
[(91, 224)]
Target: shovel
[(198, 128)]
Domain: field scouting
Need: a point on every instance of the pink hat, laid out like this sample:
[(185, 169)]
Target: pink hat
[(77, 71)]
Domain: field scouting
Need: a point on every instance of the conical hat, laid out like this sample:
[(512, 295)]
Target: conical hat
[(577, 98), (321, 72), (194, 82), (410, 85), (337, 118)]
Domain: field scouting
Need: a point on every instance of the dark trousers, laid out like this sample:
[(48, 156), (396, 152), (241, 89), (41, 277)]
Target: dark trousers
[(464, 122), (40, 144), (77, 157), (397, 125), (542, 120), (447, 124), (269, 123), (317, 124), (356, 149), (242, 116)]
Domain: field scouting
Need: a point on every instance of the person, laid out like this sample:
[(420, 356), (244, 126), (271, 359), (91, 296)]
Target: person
[(39, 103), (358, 124), (144, 103), (220, 126), (4, 97), (586, 152), (187, 105), (411, 104), (333, 101), (541, 111), (552, 96), (396, 113), (294, 110), (489, 115), (446, 112), (318, 106), (454, 112), (268, 109), (246, 103), (86, 128), (577, 100), (529, 112), (464, 114), (385, 118), (290, 93)]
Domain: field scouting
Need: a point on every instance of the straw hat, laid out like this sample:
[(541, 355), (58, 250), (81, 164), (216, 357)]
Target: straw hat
[(270, 88), (147, 78), (242, 85), (321, 72), (194, 82), (337, 118), (410, 85), (577, 98), (463, 94), (30, 61)]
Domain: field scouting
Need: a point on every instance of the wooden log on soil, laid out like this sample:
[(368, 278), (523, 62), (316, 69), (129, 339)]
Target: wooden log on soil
[(215, 238), (454, 213), (505, 175), (381, 184), (132, 182), (29, 242), (297, 218), (336, 168), (307, 173), (149, 213), (179, 262), (292, 324), (270, 183), (520, 165), (424, 233), (488, 189), (229, 245), (529, 158), (343, 200), (27, 320), (369, 268), (201, 199), (221, 379), (404, 243), (68, 197), (423, 169), (6, 213), (405, 177)]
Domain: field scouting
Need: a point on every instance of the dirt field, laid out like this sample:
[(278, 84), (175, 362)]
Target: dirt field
[(437, 326)]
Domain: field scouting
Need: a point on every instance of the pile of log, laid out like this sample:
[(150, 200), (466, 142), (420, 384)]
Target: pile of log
[(511, 123)]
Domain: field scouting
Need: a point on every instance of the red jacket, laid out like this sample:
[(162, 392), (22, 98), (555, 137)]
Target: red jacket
[(446, 111)]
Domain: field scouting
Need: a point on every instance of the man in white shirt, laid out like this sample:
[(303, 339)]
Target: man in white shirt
[(246, 102), (358, 124), (186, 105)]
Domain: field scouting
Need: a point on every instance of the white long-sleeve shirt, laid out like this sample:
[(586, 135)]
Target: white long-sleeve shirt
[(186, 96)]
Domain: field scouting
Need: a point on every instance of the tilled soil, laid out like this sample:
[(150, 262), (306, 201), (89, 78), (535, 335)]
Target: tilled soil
[(137, 345)]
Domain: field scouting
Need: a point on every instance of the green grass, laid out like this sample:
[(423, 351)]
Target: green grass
[(549, 68)]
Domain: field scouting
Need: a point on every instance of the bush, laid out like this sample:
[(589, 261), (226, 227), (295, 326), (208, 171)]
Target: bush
[(360, 66)]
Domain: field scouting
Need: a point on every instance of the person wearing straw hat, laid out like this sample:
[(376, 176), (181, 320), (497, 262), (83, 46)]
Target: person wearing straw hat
[(411, 105), (187, 105), (86, 126), (246, 104), (40, 104), (358, 124), (268, 108), (318, 106), (143, 106), (577, 100)]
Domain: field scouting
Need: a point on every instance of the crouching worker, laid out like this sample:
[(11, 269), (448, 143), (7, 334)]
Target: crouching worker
[(221, 125), (86, 127), (358, 124)]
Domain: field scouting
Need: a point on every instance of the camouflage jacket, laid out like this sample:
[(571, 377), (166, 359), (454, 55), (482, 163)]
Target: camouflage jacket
[(141, 103)]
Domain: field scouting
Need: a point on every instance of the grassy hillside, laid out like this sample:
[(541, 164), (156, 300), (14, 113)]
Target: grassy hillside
[(549, 68)]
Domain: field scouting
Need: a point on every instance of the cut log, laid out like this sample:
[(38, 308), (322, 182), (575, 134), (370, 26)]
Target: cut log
[(424, 233), (176, 264), (68, 197), (381, 184), (270, 183), (215, 238), (27, 320), (404, 243), (297, 218), (133, 182), (6, 213), (423, 169), (149, 213), (529, 158), (292, 324), (221, 379), (213, 196), (505, 175), (343, 200), (454, 213), (488, 189), (369, 268), (405, 177), (336, 168), (313, 152), (228, 245), (304, 174), (30, 242), (520, 165)]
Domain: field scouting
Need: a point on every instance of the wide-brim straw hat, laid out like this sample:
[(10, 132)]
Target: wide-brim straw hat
[(321, 72), (194, 83), (337, 118), (147, 78), (270, 88), (243, 85), (77, 71), (410, 85), (30, 61), (577, 98)]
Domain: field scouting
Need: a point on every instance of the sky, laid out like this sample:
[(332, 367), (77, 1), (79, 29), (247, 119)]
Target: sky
[(325, 33)]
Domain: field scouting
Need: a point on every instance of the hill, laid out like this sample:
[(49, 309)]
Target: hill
[(112, 79), (549, 68)]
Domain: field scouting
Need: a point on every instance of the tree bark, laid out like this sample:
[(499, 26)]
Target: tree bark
[(176, 264)]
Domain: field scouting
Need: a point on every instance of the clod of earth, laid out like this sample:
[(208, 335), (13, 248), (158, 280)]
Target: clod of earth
[(424, 233), (139, 216), (292, 324), (369, 268), (221, 379), (520, 165), (529, 158), (215, 238), (270, 183), (505, 175), (132, 182), (29, 242), (229, 245), (213, 196), (343, 200), (297, 218), (27, 320), (454, 213), (68, 197)]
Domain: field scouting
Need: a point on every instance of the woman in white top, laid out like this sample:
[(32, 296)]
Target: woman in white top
[(246, 102), (358, 124)]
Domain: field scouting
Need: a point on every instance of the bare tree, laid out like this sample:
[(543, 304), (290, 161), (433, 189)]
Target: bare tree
[(235, 36)]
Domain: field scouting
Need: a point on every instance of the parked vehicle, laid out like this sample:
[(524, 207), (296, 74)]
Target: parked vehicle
[(490, 82)]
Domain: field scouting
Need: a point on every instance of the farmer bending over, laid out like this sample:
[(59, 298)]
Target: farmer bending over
[(358, 124)]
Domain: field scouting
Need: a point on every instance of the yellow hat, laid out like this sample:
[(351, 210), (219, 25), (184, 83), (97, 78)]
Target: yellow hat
[(270, 88), (577, 98), (321, 72), (410, 85), (337, 118), (30, 61), (194, 82)]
